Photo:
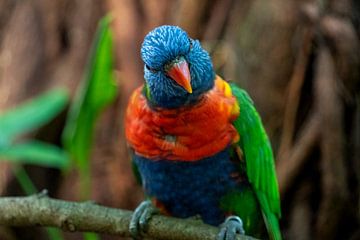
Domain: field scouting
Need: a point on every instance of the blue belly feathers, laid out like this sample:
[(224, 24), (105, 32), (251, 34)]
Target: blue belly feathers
[(190, 188)]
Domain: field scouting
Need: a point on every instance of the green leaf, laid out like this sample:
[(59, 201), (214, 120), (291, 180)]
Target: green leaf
[(37, 153), (54, 233), (31, 115), (91, 236), (24, 180), (97, 90)]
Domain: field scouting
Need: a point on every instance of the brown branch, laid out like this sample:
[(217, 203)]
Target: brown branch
[(333, 164), (301, 213), (343, 43), (294, 93), (40, 210), (218, 18), (290, 166), (191, 16)]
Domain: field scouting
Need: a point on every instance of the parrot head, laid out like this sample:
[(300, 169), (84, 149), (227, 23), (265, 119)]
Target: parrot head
[(177, 70)]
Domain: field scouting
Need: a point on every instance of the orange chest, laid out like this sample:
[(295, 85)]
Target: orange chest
[(185, 134)]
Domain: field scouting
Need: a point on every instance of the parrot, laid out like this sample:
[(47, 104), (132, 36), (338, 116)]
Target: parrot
[(197, 143)]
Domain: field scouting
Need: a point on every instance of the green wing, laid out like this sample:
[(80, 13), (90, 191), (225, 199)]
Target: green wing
[(259, 159)]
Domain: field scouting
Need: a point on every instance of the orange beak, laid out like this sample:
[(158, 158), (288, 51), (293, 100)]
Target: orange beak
[(180, 73)]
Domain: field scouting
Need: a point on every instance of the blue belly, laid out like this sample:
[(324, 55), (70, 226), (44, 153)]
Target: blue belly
[(190, 188)]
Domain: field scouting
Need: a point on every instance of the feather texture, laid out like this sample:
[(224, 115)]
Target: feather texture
[(202, 153), (260, 166), (183, 134)]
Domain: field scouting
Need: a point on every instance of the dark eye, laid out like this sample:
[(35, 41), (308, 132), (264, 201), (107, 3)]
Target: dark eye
[(191, 44), (150, 69)]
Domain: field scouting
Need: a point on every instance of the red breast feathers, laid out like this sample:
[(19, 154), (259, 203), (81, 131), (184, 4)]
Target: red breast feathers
[(185, 134)]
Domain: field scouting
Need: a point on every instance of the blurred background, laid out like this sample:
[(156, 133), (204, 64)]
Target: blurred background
[(299, 60)]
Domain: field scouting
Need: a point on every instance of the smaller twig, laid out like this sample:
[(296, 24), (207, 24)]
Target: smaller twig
[(290, 166), (342, 40), (190, 16), (40, 210), (300, 214), (218, 18), (294, 93), (335, 192)]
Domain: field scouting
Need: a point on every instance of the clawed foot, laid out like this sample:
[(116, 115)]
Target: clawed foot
[(140, 218), (230, 228)]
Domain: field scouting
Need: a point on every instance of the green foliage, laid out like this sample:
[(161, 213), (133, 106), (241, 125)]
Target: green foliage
[(98, 89), (24, 180), (25, 118), (31, 115), (36, 152), (91, 236)]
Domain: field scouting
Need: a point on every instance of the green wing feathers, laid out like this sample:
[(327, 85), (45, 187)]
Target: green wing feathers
[(259, 159)]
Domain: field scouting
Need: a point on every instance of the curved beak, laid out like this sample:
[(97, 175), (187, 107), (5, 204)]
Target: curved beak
[(180, 73)]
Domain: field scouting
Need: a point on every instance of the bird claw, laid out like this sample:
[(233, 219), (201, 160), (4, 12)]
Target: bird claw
[(230, 228), (140, 218)]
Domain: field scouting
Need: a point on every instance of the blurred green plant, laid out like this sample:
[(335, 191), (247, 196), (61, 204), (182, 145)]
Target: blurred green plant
[(25, 118), (97, 90)]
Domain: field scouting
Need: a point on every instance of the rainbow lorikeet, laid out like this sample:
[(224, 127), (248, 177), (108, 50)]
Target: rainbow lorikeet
[(198, 143)]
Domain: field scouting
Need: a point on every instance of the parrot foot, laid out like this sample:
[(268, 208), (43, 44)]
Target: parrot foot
[(230, 228), (140, 218)]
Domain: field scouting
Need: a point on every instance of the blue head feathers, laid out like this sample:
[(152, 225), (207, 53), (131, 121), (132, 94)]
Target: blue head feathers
[(177, 69)]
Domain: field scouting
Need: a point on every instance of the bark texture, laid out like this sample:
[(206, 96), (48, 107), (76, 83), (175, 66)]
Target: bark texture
[(40, 210)]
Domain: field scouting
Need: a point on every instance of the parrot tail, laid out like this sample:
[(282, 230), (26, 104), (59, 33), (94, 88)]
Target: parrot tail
[(270, 219)]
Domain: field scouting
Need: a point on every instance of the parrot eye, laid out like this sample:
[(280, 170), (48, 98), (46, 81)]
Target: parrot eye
[(153, 70), (191, 44)]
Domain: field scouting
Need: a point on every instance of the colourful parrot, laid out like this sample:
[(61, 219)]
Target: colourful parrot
[(199, 147)]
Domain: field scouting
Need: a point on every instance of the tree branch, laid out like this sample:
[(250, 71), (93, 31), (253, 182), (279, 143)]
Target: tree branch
[(289, 166), (40, 210)]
